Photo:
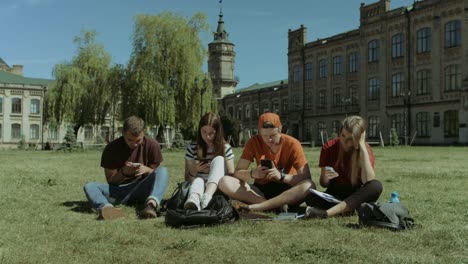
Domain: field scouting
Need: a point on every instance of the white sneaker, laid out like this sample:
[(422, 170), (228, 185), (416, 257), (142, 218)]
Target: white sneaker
[(193, 202), (205, 200)]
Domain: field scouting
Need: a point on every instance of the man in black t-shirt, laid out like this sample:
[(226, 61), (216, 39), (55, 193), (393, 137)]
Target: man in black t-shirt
[(132, 168)]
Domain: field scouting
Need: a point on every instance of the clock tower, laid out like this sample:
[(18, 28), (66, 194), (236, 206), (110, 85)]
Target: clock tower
[(221, 59)]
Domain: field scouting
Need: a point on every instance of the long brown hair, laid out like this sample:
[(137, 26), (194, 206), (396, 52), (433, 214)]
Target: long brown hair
[(212, 120), (355, 125)]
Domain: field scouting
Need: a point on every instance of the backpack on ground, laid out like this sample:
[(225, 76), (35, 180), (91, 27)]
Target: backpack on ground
[(393, 216), (218, 211)]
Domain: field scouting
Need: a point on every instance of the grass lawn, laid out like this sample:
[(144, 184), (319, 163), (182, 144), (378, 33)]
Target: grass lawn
[(44, 217)]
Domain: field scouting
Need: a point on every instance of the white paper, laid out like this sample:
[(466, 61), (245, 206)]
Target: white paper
[(327, 197)]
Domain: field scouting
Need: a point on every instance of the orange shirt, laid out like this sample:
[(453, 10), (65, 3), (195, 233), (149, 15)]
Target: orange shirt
[(289, 158)]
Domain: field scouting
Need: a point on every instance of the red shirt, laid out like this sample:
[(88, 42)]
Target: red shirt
[(329, 157)]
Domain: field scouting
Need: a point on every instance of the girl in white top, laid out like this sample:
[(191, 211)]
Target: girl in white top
[(206, 161)]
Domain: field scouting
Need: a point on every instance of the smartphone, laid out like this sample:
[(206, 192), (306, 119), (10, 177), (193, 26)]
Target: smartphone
[(328, 168), (205, 160), (136, 164), (266, 163)]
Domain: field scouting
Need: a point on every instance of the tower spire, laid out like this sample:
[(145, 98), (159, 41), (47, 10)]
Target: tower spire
[(221, 34)]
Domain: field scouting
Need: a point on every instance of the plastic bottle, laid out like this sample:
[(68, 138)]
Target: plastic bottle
[(394, 198)]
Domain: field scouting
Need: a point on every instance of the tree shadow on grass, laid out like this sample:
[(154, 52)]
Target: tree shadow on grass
[(79, 206)]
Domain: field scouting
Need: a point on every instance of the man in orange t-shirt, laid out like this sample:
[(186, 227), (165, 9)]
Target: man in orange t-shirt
[(288, 180)]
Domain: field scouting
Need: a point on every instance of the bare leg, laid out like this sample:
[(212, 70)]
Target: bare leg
[(291, 196), (239, 190), (338, 209)]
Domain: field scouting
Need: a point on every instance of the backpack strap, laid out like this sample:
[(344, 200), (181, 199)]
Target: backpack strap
[(384, 224)]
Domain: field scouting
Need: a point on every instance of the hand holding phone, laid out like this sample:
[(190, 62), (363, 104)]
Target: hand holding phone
[(136, 164), (266, 163), (328, 168)]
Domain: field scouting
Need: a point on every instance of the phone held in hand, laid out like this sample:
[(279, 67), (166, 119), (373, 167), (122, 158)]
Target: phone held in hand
[(328, 168), (266, 163), (205, 160), (135, 164)]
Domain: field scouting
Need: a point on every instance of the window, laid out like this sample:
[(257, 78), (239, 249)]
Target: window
[(309, 71), (397, 85), (35, 106), (276, 107), (34, 131), (397, 123), (309, 100), (239, 112), (353, 95), (374, 90), (15, 131), (322, 131), (247, 112), (424, 40), (296, 73), (453, 34), (373, 47), (353, 65), (285, 105), (423, 82), (374, 124), (255, 111), (1, 105), (436, 119), (451, 123), (322, 99), (265, 107), (337, 97), (16, 105), (88, 133), (422, 124), (105, 133), (337, 65), (323, 68), (336, 126), (397, 45), (452, 78)]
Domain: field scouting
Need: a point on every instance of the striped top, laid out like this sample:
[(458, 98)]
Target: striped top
[(191, 152)]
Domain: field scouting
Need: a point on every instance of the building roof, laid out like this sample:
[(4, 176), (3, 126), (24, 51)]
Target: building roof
[(3, 62), (258, 86), (10, 78)]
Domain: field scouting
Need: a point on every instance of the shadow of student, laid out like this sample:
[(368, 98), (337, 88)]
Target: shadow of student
[(79, 206)]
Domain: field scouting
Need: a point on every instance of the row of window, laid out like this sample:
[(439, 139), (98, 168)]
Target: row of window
[(252, 111), (452, 77), (16, 131), (423, 125), (452, 39), (16, 106)]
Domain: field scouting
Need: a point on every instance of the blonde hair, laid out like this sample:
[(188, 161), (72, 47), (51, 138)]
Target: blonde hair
[(355, 125)]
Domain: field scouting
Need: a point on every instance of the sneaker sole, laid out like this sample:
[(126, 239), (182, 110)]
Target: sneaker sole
[(191, 206), (111, 213)]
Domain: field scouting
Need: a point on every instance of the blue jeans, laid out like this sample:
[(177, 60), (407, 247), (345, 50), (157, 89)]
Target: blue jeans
[(152, 186)]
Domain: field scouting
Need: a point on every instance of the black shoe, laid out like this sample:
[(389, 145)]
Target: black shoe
[(150, 211), (314, 212)]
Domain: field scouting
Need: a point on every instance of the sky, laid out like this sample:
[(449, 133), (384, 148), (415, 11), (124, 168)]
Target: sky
[(39, 33)]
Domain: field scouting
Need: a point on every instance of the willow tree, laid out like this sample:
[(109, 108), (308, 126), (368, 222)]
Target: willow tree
[(166, 60), (81, 91)]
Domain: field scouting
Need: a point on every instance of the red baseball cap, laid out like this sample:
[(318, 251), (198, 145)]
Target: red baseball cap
[(270, 120)]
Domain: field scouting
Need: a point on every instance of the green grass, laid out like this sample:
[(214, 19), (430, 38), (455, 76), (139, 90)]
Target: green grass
[(43, 217)]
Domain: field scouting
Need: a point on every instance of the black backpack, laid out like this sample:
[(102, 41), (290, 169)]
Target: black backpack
[(218, 211), (393, 216)]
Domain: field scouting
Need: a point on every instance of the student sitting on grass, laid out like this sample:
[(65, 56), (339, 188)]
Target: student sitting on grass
[(352, 178), (206, 161), (131, 166), (282, 178)]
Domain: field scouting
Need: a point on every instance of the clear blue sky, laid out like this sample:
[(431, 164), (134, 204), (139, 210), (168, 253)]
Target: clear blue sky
[(39, 33)]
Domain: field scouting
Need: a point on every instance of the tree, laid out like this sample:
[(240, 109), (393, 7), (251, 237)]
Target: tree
[(166, 59), (394, 137), (81, 92)]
